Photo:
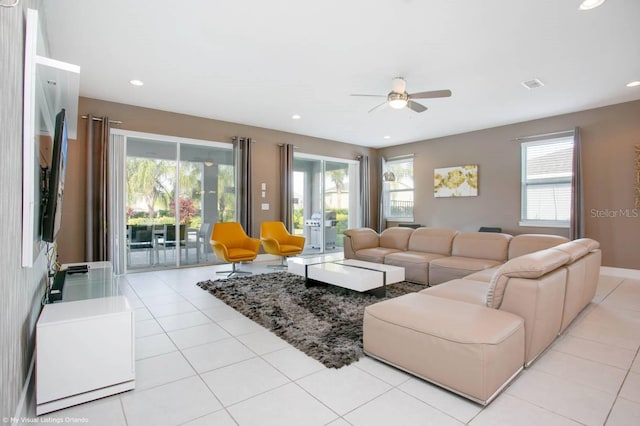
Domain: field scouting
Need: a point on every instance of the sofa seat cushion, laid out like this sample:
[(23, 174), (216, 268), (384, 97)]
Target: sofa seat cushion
[(464, 290), (467, 348), (451, 268), (375, 254), (415, 264), (410, 257), (485, 275)]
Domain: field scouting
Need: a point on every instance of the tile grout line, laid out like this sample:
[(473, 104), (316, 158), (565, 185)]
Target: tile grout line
[(217, 399), (621, 386), (544, 409)]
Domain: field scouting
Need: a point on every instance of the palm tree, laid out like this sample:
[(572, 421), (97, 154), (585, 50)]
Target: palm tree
[(337, 177), (226, 201), (151, 180), (190, 179)]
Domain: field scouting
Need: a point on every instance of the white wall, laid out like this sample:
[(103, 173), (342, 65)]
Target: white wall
[(21, 288)]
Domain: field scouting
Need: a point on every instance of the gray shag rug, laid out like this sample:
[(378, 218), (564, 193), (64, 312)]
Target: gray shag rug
[(323, 321)]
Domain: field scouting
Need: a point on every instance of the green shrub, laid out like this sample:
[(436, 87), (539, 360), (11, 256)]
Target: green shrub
[(164, 220)]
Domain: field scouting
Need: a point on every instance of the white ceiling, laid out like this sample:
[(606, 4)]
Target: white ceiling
[(258, 62)]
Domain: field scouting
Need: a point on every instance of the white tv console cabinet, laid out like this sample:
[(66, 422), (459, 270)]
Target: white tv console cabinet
[(84, 342)]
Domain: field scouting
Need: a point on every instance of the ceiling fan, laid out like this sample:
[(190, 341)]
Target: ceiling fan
[(398, 97)]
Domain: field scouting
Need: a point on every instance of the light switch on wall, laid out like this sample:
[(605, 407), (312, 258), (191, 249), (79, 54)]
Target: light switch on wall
[(265, 206), (264, 194), (264, 186)]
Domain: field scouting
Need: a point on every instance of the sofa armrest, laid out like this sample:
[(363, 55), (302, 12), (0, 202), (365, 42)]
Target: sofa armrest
[(533, 265), (540, 302), (349, 253), (362, 238)]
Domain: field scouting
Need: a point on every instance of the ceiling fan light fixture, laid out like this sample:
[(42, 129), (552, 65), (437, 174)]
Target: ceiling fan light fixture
[(398, 100), (398, 103)]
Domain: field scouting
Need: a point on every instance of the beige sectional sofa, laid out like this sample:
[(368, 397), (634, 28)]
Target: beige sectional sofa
[(436, 255), (472, 335)]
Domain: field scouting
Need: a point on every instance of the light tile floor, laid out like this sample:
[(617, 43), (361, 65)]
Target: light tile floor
[(199, 362)]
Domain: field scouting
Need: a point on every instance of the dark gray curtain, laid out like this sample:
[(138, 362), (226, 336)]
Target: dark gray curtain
[(286, 185), (365, 192), (97, 192), (381, 219), (244, 198), (576, 224)]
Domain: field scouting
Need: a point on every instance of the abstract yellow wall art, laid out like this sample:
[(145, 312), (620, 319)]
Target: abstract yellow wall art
[(459, 181)]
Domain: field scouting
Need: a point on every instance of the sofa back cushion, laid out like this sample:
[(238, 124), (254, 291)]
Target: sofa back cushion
[(533, 265), (395, 238), (592, 245), (481, 245), (362, 238), (574, 249), (528, 243), (432, 240)]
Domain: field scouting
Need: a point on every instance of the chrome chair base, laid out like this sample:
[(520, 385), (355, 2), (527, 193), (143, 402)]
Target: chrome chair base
[(234, 271)]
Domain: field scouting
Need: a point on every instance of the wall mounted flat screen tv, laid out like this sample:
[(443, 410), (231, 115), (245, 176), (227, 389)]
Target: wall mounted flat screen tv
[(54, 189)]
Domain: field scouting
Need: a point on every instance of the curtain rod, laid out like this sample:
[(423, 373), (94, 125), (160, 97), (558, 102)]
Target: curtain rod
[(544, 135), (400, 157), (100, 119)]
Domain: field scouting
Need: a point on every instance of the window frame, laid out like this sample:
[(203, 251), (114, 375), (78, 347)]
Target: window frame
[(532, 183), (387, 191)]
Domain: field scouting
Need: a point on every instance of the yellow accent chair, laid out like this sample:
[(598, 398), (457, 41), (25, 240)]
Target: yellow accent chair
[(278, 241), (231, 244)]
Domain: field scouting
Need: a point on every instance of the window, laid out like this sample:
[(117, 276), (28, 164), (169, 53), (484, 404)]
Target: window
[(546, 182), (398, 189)]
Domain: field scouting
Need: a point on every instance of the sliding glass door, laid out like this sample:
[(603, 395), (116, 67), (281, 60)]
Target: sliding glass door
[(175, 191), (326, 193)]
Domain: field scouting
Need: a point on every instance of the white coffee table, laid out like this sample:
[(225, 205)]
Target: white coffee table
[(352, 274)]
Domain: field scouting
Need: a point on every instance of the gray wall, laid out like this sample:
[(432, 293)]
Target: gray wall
[(609, 136), (22, 288)]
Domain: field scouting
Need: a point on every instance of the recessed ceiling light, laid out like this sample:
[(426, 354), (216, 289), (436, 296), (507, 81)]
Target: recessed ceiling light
[(136, 82), (634, 83), (296, 116), (590, 4), (387, 137)]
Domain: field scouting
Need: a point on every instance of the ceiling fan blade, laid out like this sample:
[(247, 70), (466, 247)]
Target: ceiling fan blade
[(431, 94), (416, 106), (373, 96), (381, 106)]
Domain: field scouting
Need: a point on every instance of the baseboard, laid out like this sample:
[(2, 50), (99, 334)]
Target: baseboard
[(265, 257), (22, 410), (620, 272)]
